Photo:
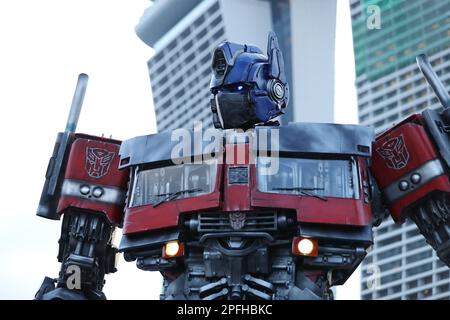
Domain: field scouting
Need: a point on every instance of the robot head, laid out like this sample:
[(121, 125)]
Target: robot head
[(248, 87)]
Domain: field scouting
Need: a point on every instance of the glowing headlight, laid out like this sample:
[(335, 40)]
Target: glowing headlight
[(305, 246), (172, 249)]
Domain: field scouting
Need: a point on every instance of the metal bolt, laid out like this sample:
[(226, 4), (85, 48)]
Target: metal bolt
[(84, 189), (403, 185), (279, 90), (415, 178), (97, 192)]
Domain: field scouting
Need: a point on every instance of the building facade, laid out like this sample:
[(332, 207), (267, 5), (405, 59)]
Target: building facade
[(185, 33), (390, 87)]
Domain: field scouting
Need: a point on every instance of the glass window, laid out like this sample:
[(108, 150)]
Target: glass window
[(443, 275), (322, 177), (390, 240), (412, 296), (391, 265), (419, 256), (391, 278), (173, 182), (419, 269), (443, 288), (389, 253), (396, 289), (416, 244), (382, 293)]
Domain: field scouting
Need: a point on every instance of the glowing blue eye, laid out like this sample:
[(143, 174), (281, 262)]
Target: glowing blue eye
[(239, 88)]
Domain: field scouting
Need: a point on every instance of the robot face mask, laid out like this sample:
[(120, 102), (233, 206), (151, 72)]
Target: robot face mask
[(248, 87), (234, 108)]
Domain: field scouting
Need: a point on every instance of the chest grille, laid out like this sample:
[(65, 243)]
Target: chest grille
[(237, 221)]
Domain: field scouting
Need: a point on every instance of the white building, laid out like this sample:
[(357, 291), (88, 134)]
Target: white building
[(185, 33)]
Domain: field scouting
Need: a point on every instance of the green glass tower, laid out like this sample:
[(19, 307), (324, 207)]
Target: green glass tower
[(407, 28)]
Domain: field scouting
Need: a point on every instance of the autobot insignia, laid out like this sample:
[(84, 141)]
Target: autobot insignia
[(395, 153), (237, 220), (98, 162)]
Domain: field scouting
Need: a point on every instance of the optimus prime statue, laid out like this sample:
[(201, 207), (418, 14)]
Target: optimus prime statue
[(226, 229)]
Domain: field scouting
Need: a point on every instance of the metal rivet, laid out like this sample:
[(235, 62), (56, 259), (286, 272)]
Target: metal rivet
[(84, 189), (279, 90), (403, 185), (415, 178), (97, 192)]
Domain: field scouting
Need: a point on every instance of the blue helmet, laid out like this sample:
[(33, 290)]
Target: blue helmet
[(248, 86)]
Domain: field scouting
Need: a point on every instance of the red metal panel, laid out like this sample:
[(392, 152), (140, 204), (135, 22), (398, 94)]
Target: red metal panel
[(144, 218), (398, 152), (113, 212), (94, 161), (314, 210), (397, 208), (236, 196)]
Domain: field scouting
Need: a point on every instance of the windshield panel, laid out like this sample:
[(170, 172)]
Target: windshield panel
[(323, 177), (187, 180)]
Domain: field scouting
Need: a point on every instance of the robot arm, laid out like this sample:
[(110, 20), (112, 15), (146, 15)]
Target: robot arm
[(411, 165), (83, 184)]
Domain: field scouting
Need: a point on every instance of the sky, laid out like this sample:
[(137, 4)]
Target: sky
[(45, 44)]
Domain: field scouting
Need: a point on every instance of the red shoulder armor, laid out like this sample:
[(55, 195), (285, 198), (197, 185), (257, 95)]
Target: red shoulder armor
[(407, 166), (92, 179)]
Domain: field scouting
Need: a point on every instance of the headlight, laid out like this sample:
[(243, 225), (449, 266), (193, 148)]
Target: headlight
[(302, 246), (173, 249)]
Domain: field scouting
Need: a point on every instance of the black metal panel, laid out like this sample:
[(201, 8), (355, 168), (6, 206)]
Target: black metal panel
[(323, 138), (238, 175), (158, 147), (337, 233), (249, 221), (439, 132), (134, 242)]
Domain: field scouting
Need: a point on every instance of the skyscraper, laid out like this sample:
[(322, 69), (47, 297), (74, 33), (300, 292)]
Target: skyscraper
[(185, 33), (390, 87)]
